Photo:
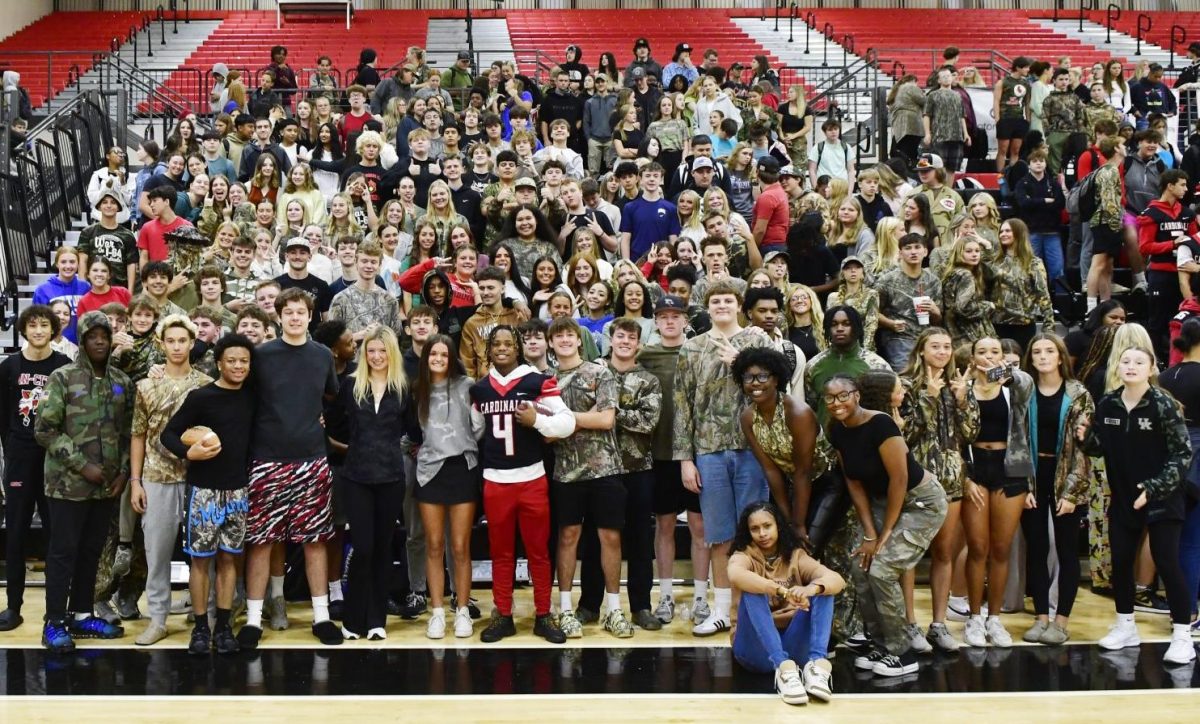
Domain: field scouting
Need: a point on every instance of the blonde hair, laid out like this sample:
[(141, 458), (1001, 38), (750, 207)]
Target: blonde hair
[(742, 146), (956, 263), (993, 217), (839, 189), (846, 235), (694, 220), (332, 227), (450, 215), (1130, 335), (889, 182), (368, 137), (813, 201), (174, 320), (309, 185), (396, 381), (815, 313), (887, 247)]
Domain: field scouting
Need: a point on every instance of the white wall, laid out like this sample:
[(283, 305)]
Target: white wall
[(19, 13)]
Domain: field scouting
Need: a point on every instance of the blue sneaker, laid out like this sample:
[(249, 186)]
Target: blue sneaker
[(94, 627), (56, 638)]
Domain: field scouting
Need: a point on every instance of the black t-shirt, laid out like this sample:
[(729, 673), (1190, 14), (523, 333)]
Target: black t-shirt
[(422, 180), (1183, 382), (814, 268), (861, 461), (291, 382), (22, 387), (154, 182), (316, 288), (479, 181), (805, 339), (1049, 412), (875, 210), (228, 413), (116, 246)]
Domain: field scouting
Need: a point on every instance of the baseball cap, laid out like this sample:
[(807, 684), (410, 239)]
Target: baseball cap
[(638, 72), (770, 255), (929, 161), (296, 242), (525, 181), (464, 55), (852, 259), (702, 162), (683, 48), (788, 170), (641, 43), (770, 164), (669, 303)]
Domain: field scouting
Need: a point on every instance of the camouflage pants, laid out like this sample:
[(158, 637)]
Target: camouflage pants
[(130, 586), (879, 593), (1099, 553), (838, 556)]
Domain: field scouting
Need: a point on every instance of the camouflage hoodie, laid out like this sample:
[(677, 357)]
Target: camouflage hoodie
[(85, 418)]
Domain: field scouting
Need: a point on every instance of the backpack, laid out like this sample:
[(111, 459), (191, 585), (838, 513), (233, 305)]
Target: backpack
[(845, 152), (1083, 199)]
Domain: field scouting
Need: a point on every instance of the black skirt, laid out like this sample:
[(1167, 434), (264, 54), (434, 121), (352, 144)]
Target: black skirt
[(455, 483)]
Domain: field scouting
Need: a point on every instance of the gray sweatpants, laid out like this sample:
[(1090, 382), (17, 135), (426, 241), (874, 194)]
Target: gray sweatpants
[(160, 527)]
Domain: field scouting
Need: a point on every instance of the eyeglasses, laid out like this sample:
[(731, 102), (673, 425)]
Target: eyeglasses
[(839, 397), (760, 377)]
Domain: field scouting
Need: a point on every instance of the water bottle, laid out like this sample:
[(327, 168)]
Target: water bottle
[(685, 612)]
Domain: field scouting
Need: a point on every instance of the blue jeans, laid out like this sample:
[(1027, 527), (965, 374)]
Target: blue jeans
[(1189, 541), (1048, 247), (760, 647), (729, 481)]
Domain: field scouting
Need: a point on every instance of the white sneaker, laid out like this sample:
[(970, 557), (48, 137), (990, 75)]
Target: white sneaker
[(436, 629), (974, 634), (916, 639), (817, 681), (997, 634), (700, 610), (711, 626), (463, 627), (1121, 636), (665, 611), (1181, 651), (789, 685), (957, 609), (940, 637)]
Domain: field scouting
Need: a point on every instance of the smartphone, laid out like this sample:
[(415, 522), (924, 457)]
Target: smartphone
[(996, 374)]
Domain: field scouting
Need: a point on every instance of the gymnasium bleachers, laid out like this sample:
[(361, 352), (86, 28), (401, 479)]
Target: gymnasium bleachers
[(1160, 28), (244, 40), (43, 74), (616, 31), (907, 36)]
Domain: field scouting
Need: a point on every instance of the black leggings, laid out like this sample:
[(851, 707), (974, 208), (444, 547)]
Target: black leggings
[(371, 511), (1037, 541), (1164, 549), (24, 490), (908, 146), (79, 530)]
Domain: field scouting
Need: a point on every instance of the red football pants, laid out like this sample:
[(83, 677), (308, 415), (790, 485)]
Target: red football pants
[(506, 505)]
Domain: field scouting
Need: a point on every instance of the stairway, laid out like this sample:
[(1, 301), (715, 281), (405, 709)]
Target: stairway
[(446, 37), (1122, 46)]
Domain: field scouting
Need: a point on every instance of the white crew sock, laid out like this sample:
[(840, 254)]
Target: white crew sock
[(612, 601), (439, 612), (1139, 278), (722, 599), (81, 616), (1125, 619), (320, 606), (1181, 630), (1091, 303), (275, 587), (701, 588), (335, 590), (666, 587), (254, 612), (564, 601)]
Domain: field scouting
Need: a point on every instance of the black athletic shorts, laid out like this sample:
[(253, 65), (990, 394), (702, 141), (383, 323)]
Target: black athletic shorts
[(987, 469), (599, 500), (670, 497), (1107, 241), (1012, 129)]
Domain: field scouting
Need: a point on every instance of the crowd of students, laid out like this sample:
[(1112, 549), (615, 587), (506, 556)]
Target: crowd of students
[(581, 312)]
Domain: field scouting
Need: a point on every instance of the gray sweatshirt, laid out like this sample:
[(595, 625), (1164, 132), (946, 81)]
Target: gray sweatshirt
[(448, 432), (596, 114)]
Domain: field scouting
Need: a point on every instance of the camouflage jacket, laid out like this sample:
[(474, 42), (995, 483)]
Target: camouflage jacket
[(587, 454), (638, 408), (1020, 297), (1110, 192), (1155, 453), (966, 314), (359, 309), (137, 360), (1063, 113), (708, 400), (1073, 468), (525, 253), (896, 291), (156, 400), (944, 205), (84, 419), (937, 429), (1096, 112), (1018, 458)]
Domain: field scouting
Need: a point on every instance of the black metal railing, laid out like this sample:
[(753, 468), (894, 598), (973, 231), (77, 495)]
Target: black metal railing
[(1112, 16), (1084, 7), (1144, 23), (1177, 40)]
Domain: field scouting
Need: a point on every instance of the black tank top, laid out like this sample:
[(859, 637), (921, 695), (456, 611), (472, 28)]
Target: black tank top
[(993, 420)]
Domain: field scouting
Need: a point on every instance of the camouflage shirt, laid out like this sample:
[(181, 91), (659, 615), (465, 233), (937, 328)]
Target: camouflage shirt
[(358, 309), (944, 109), (137, 360), (1110, 192), (241, 288), (1095, 112), (967, 315), (156, 401), (638, 410), (1021, 297), (708, 401), (1062, 112), (525, 253), (84, 419), (944, 205), (587, 454), (937, 429), (896, 291)]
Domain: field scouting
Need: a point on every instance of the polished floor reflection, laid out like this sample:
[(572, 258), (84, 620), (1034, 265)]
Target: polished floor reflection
[(348, 672)]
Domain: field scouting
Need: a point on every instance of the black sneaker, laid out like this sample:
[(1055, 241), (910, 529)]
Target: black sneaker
[(393, 607), (249, 636), (472, 607), (328, 633), (224, 641), (586, 616), (413, 606), (546, 627), (501, 627), (892, 665), (867, 661), (201, 642), (1147, 600), (336, 610), (646, 620), (10, 618)]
